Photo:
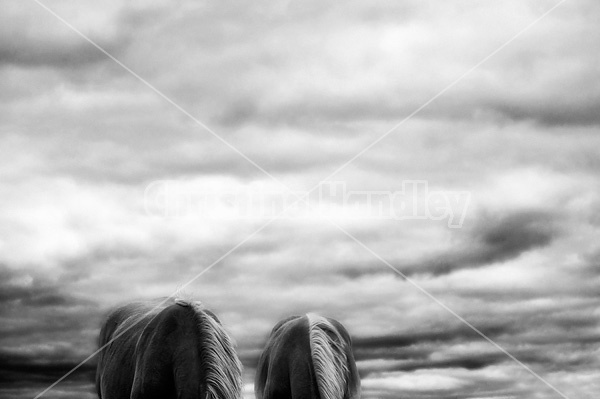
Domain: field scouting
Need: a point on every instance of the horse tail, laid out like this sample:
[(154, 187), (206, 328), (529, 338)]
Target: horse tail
[(219, 362), (328, 352)]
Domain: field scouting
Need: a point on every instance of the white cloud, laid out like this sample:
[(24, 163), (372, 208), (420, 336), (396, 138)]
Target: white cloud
[(412, 382)]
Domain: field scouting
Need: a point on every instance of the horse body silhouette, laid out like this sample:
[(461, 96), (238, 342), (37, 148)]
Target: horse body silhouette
[(307, 357), (177, 350)]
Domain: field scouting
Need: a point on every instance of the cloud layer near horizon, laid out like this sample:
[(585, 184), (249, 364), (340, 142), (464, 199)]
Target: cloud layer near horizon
[(301, 88)]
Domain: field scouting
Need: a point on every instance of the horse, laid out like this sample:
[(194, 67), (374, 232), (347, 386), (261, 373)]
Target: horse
[(166, 349), (307, 357)]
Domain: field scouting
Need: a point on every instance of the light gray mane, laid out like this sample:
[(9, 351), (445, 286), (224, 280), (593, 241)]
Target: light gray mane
[(222, 368), (327, 348), (135, 313)]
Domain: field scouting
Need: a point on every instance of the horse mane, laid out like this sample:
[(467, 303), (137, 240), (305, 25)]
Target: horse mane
[(130, 315), (221, 366), (327, 348)]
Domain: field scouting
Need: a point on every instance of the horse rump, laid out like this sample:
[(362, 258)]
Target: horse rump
[(307, 357), (166, 349)]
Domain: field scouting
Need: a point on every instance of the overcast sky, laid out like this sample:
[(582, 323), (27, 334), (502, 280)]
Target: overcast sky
[(103, 194)]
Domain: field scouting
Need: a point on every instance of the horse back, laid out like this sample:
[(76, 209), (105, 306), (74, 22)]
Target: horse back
[(285, 369), (116, 359), (138, 362), (303, 356)]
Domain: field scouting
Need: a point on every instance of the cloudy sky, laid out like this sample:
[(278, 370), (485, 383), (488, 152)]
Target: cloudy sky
[(113, 189)]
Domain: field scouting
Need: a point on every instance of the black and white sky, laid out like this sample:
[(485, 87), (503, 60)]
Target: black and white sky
[(300, 88)]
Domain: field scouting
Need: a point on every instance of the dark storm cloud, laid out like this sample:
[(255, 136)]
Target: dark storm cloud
[(45, 333), (33, 38), (557, 113), (316, 110), (490, 237), (558, 338), (445, 335), (36, 53), (38, 294), (591, 265), (24, 377), (412, 351), (494, 238), (506, 236), (34, 292), (29, 369), (34, 311)]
